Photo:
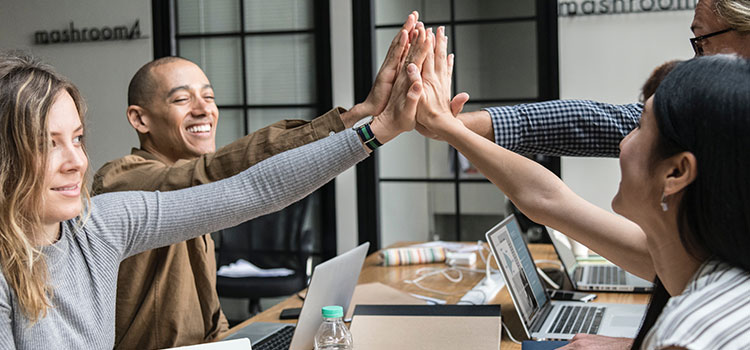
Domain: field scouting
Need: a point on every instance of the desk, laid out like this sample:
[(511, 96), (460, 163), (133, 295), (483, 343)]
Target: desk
[(394, 276)]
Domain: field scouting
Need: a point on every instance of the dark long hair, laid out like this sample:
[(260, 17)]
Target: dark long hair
[(703, 107)]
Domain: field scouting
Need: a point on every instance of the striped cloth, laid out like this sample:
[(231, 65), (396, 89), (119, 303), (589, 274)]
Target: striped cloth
[(410, 256), (712, 313)]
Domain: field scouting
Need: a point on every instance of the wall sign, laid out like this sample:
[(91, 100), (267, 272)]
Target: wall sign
[(71, 34), (570, 8)]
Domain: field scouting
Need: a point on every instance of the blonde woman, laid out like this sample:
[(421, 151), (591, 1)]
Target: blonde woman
[(60, 250)]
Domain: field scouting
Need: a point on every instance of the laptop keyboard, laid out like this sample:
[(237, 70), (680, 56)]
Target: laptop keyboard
[(280, 340), (577, 319), (606, 274)]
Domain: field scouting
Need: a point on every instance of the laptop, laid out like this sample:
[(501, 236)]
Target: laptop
[(542, 318), (332, 283), (604, 276)]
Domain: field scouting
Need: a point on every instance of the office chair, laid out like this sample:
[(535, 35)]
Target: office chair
[(270, 241)]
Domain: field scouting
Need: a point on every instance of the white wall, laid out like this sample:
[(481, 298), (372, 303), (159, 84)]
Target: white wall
[(342, 61), (608, 58), (101, 70)]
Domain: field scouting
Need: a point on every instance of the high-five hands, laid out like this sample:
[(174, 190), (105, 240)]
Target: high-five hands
[(412, 88), (376, 100), (436, 110)]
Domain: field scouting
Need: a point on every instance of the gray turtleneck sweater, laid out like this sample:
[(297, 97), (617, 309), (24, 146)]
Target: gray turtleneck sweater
[(83, 263)]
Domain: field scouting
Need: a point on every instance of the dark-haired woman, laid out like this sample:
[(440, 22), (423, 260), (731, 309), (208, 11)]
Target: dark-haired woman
[(684, 198)]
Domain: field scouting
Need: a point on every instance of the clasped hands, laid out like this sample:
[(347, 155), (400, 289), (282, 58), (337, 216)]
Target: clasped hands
[(413, 87)]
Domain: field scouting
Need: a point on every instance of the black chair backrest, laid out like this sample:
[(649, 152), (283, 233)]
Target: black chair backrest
[(273, 240)]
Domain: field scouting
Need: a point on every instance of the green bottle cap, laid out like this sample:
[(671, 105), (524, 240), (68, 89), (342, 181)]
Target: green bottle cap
[(333, 311)]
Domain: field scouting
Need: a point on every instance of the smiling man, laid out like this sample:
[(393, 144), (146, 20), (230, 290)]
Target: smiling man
[(171, 105), (167, 297)]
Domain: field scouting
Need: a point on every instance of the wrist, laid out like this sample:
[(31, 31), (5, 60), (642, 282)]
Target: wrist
[(353, 115), (383, 131), (479, 122), (448, 126)]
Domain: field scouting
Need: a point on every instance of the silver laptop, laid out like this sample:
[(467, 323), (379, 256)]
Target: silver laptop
[(543, 319), (604, 276), (332, 283)]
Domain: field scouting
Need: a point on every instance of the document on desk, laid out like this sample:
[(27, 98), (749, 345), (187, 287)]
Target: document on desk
[(234, 344), (432, 327)]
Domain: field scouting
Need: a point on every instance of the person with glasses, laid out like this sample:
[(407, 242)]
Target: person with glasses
[(594, 129)]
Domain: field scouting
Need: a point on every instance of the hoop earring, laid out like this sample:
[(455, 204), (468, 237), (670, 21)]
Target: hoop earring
[(664, 206)]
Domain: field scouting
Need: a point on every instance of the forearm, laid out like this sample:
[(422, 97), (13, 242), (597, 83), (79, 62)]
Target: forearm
[(564, 127), (545, 199), (479, 122), (142, 172), (157, 219)]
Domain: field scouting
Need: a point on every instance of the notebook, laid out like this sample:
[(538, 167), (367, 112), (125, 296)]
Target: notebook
[(426, 327)]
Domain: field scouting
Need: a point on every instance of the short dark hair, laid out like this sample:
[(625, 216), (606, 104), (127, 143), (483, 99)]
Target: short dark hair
[(703, 107), (649, 87), (143, 86)]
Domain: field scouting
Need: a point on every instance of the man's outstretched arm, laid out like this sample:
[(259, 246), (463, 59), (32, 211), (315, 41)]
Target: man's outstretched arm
[(557, 128)]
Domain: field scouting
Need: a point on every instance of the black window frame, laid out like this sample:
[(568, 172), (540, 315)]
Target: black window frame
[(368, 179), (165, 36)]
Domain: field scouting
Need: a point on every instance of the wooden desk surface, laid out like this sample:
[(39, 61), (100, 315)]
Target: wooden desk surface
[(394, 276)]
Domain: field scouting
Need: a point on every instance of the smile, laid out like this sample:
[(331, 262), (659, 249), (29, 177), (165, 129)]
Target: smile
[(199, 128), (69, 190)]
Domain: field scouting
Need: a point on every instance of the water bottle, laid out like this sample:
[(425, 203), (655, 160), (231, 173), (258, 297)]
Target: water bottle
[(333, 334)]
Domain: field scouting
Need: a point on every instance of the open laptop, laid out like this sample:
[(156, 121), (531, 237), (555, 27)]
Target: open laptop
[(604, 276), (542, 318), (332, 283)]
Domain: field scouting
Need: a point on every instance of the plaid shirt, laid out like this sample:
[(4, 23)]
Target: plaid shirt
[(564, 127)]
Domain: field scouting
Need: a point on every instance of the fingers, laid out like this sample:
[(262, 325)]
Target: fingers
[(458, 102), (412, 72), (429, 63), (451, 59), (411, 21), (418, 47), (412, 99), (441, 47), (396, 50)]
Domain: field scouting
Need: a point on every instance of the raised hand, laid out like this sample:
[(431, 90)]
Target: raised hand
[(436, 110), (376, 100), (400, 111)]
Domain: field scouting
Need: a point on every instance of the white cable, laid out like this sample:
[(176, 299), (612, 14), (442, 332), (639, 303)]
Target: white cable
[(547, 279), (553, 262), (544, 274), (434, 271), (507, 331)]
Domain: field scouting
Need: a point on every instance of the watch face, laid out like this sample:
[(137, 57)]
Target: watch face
[(362, 121)]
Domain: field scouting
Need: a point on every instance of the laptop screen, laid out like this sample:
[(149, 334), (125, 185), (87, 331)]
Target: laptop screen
[(518, 268)]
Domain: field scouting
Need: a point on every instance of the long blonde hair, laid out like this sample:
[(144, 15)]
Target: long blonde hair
[(28, 89)]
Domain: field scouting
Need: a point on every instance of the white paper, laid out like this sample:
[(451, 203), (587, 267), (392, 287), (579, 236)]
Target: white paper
[(244, 268)]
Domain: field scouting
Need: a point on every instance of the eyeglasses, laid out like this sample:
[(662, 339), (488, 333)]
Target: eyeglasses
[(696, 42)]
